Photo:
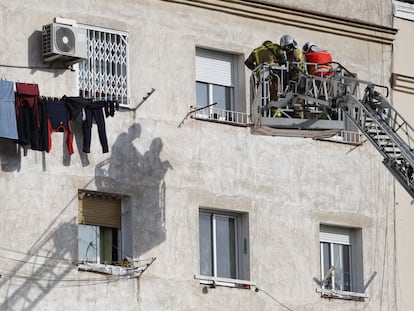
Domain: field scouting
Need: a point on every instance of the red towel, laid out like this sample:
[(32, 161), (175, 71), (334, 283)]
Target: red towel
[(28, 94)]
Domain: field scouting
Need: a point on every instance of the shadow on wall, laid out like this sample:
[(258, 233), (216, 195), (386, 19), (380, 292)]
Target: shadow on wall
[(37, 272), (10, 155), (141, 176)]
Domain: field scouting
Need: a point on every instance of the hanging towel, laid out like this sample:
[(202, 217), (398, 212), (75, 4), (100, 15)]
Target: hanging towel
[(8, 123)]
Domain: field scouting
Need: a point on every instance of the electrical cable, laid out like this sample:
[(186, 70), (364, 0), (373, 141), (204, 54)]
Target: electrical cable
[(35, 255), (63, 283), (33, 277), (71, 261), (35, 263), (257, 289), (37, 67)]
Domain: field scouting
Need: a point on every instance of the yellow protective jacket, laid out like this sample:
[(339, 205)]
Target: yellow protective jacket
[(293, 57), (269, 53)]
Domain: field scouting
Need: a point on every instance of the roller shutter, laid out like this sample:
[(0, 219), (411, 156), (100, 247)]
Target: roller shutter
[(99, 211)]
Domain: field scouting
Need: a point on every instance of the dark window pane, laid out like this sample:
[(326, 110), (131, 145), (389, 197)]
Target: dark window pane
[(221, 96), (346, 267), (201, 94), (108, 245), (206, 246)]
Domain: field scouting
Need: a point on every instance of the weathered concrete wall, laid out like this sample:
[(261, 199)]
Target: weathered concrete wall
[(287, 185), (370, 11)]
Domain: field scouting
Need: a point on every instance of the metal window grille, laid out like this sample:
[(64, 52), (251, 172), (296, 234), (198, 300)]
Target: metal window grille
[(104, 75)]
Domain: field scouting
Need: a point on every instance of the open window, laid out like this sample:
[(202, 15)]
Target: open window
[(104, 233), (105, 237), (99, 228)]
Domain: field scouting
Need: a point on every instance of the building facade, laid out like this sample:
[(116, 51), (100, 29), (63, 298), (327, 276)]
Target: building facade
[(179, 204), (402, 97)]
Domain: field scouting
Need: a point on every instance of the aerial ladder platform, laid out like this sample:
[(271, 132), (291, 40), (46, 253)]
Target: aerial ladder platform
[(328, 102)]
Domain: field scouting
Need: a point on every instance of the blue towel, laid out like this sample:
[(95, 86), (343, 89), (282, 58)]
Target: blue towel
[(8, 124)]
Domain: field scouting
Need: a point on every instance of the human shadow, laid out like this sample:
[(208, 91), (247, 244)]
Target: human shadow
[(141, 178)]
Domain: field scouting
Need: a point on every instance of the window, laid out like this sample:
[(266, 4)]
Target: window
[(341, 259), (99, 228), (216, 77), (223, 246), (105, 74)]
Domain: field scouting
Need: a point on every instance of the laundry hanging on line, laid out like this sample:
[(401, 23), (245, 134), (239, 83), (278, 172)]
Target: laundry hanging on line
[(8, 123), (30, 119)]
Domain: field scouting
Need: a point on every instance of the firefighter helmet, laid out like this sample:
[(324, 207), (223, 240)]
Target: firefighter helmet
[(307, 46), (287, 41)]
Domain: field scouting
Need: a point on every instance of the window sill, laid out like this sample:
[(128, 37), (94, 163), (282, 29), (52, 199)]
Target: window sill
[(106, 269), (338, 294), (207, 113), (217, 281)]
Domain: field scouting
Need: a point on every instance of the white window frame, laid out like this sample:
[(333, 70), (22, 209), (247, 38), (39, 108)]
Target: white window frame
[(215, 68), (110, 81), (241, 251), (342, 236)]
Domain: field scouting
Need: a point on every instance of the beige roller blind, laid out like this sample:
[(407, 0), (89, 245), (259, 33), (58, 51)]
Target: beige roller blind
[(214, 67), (99, 211)]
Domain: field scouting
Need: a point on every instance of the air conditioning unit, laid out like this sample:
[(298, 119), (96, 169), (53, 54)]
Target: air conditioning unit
[(63, 43)]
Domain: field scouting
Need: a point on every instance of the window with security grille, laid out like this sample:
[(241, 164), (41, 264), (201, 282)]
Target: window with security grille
[(104, 75)]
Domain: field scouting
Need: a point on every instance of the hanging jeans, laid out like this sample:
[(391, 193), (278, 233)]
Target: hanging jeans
[(94, 112)]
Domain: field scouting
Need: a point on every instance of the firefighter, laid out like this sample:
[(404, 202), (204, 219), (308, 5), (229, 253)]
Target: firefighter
[(294, 56), (267, 53), (296, 59), (320, 60)]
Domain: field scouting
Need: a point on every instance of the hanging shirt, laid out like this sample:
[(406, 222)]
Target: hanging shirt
[(75, 105), (8, 122), (59, 121)]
